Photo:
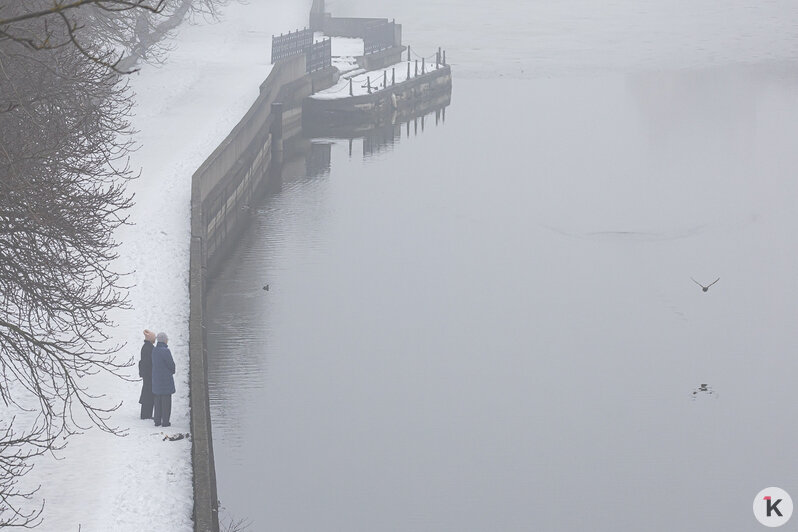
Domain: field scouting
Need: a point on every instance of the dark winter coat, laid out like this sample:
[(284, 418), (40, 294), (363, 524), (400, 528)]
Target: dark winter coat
[(163, 367), (145, 372)]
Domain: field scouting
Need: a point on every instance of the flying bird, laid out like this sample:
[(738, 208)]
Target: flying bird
[(266, 287), (705, 288)]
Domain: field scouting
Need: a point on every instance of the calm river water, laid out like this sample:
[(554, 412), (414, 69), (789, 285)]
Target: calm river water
[(490, 324)]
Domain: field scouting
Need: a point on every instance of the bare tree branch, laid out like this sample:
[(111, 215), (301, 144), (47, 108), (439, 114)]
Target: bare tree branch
[(64, 165), (110, 5)]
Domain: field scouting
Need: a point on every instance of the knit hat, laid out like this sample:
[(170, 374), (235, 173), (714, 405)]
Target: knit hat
[(162, 337), (149, 335)]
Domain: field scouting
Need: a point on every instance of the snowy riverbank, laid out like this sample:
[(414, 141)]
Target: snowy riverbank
[(184, 108)]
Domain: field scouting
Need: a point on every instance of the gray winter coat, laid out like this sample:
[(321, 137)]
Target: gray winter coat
[(163, 367)]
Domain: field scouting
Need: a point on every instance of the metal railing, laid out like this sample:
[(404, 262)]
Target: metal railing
[(294, 43), (319, 55)]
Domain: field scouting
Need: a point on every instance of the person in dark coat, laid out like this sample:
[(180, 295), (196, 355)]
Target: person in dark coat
[(163, 382), (145, 372)]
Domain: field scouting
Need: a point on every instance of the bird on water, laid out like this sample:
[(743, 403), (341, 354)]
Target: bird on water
[(705, 288), (266, 287)]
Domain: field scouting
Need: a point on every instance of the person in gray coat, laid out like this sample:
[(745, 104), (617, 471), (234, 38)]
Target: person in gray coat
[(163, 382)]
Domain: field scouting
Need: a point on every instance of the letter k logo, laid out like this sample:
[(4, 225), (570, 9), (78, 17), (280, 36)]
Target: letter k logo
[(772, 506)]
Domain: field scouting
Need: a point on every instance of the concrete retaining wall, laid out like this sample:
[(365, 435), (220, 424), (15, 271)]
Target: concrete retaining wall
[(381, 59), (221, 191), (347, 27), (353, 27)]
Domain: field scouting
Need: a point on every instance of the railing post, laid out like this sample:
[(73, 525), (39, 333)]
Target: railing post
[(408, 69), (416, 67), (438, 58), (368, 80), (384, 78), (408, 53), (444, 57), (393, 76), (350, 86), (423, 63)]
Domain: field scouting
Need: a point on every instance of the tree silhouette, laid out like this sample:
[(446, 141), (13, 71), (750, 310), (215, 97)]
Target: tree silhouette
[(64, 146)]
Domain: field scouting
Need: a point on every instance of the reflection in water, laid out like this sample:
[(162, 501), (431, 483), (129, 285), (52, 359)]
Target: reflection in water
[(381, 137), (431, 357), (384, 138), (239, 331), (318, 159)]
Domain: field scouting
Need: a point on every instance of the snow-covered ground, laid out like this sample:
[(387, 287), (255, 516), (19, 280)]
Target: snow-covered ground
[(184, 108), (344, 51), (360, 79)]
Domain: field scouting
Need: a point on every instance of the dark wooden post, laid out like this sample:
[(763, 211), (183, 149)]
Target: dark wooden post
[(368, 80), (423, 63), (350, 86), (408, 69), (444, 57), (408, 53), (438, 58), (416, 67), (384, 78), (393, 76)]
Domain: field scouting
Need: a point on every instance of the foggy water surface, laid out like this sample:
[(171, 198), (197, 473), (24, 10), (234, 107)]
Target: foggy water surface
[(491, 325)]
